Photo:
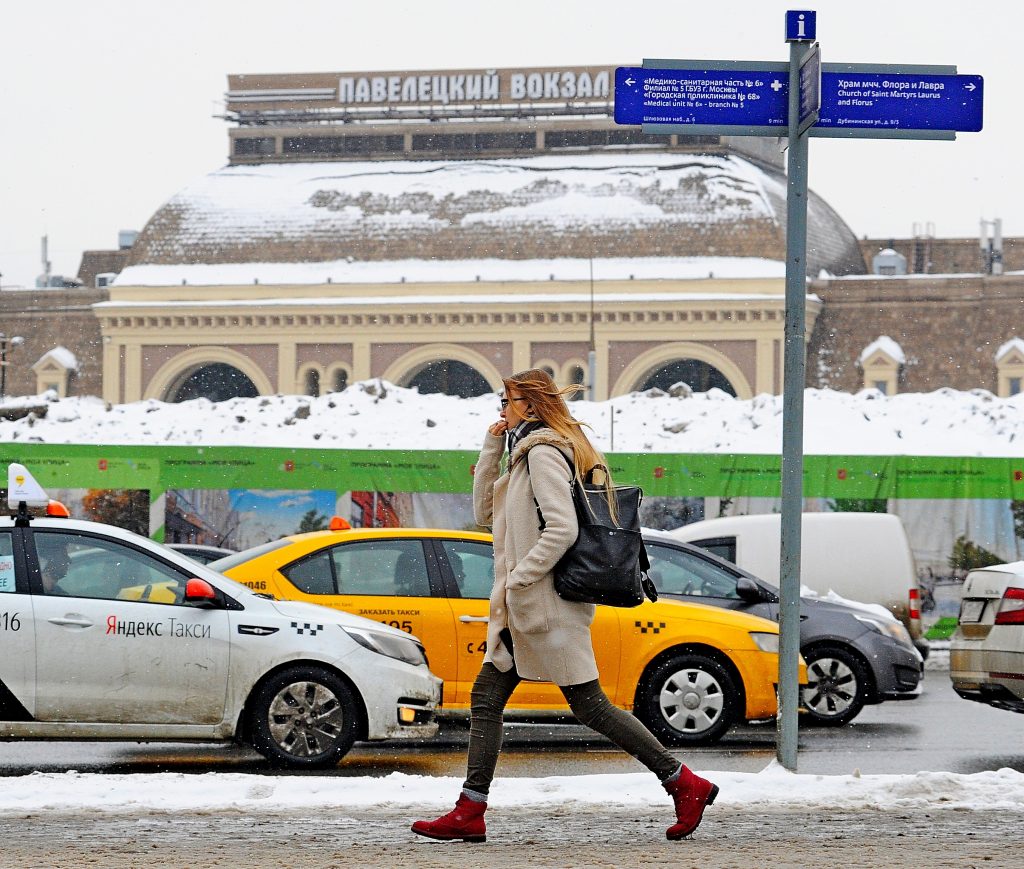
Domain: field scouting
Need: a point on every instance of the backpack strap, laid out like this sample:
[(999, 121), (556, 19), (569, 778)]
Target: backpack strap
[(572, 470)]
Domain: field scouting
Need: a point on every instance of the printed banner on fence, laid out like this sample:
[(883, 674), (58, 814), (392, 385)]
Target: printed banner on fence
[(660, 474)]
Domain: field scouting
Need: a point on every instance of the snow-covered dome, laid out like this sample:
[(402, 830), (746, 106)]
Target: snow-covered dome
[(648, 205)]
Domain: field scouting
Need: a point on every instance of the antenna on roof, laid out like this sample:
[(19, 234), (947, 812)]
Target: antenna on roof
[(992, 246), (47, 265), (592, 353)]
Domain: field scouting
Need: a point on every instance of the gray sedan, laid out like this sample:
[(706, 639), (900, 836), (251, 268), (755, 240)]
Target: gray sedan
[(855, 656)]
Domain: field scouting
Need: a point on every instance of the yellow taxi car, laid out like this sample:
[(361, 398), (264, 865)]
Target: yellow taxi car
[(688, 671)]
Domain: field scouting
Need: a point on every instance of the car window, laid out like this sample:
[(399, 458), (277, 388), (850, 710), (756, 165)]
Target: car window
[(312, 575), (76, 565), (675, 571), (723, 547), (472, 564), (381, 567), (7, 585), (203, 556)]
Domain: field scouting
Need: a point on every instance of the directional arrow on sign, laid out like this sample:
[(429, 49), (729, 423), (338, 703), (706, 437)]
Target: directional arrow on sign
[(856, 100)]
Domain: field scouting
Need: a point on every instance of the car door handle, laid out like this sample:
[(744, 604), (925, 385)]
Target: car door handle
[(474, 618), (79, 622)]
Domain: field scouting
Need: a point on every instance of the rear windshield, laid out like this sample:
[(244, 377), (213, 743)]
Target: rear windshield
[(229, 561), (723, 547)]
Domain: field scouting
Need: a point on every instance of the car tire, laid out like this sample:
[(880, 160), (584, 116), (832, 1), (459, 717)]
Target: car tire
[(688, 699), (837, 686), (303, 718)]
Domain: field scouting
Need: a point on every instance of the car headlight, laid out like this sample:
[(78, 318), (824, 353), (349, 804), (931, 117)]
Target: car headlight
[(887, 627), (766, 642), (401, 648)]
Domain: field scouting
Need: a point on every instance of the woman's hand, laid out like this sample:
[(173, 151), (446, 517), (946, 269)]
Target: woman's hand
[(498, 428)]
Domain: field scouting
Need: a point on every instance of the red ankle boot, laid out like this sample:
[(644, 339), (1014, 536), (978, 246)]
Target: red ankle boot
[(692, 794), (465, 821)]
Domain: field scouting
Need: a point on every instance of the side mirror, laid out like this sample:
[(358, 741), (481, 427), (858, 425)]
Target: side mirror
[(750, 591), (200, 593)]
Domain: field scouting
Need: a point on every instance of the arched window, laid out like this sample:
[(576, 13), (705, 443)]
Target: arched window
[(548, 366), (698, 375), (311, 383), (576, 374), (451, 377), (217, 382), (339, 379)]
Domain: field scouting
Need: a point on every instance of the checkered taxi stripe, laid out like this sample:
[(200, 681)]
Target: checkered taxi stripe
[(307, 628), (650, 627)]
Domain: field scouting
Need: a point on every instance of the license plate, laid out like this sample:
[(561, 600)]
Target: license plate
[(971, 610)]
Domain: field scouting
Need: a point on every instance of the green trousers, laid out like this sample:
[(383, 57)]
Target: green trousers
[(587, 702)]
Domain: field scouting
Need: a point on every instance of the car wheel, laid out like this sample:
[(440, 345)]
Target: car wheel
[(837, 684), (688, 699), (303, 717)]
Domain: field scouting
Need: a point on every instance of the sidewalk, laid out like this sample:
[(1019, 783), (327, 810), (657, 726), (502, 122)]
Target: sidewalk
[(554, 837)]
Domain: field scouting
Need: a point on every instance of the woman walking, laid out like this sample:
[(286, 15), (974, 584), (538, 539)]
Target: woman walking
[(534, 634)]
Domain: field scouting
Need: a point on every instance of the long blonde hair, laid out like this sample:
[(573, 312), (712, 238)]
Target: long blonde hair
[(548, 406)]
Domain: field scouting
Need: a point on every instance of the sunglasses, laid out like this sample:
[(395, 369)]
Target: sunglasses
[(505, 401)]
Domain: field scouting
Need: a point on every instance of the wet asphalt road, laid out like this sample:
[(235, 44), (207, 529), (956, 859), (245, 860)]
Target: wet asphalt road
[(938, 731)]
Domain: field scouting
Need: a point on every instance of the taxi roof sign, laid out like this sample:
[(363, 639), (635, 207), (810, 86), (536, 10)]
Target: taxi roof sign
[(22, 488)]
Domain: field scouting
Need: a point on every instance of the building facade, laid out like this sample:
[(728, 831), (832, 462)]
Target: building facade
[(441, 229)]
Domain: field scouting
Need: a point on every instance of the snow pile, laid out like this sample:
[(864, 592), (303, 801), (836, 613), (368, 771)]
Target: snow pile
[(773, 787), (873, 609), (378, 415)]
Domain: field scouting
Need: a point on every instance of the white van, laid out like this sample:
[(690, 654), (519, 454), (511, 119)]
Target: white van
[(860, 556)]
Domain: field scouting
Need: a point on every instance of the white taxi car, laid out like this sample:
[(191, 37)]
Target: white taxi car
[(986, 653), (108, 635)]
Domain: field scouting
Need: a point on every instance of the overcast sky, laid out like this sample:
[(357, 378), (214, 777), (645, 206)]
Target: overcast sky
[(108, 106)]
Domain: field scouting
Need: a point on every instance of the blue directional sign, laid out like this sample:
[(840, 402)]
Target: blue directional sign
[(700, 96), (908, 102), (759, 99)]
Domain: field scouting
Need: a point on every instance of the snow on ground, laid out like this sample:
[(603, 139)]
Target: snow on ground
[(378, 415), (774, 787)]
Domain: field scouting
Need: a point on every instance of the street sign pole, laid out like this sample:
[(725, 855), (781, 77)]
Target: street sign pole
[(794, 378), (751, 98)]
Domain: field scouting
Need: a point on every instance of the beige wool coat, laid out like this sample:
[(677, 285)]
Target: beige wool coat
[(550, 636)]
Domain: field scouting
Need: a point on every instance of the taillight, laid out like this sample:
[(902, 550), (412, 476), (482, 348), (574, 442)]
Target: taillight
[(915, 603), (1011, 607)]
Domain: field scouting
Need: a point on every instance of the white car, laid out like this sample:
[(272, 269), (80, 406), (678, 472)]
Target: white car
[(986, 655), (108, 635)]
